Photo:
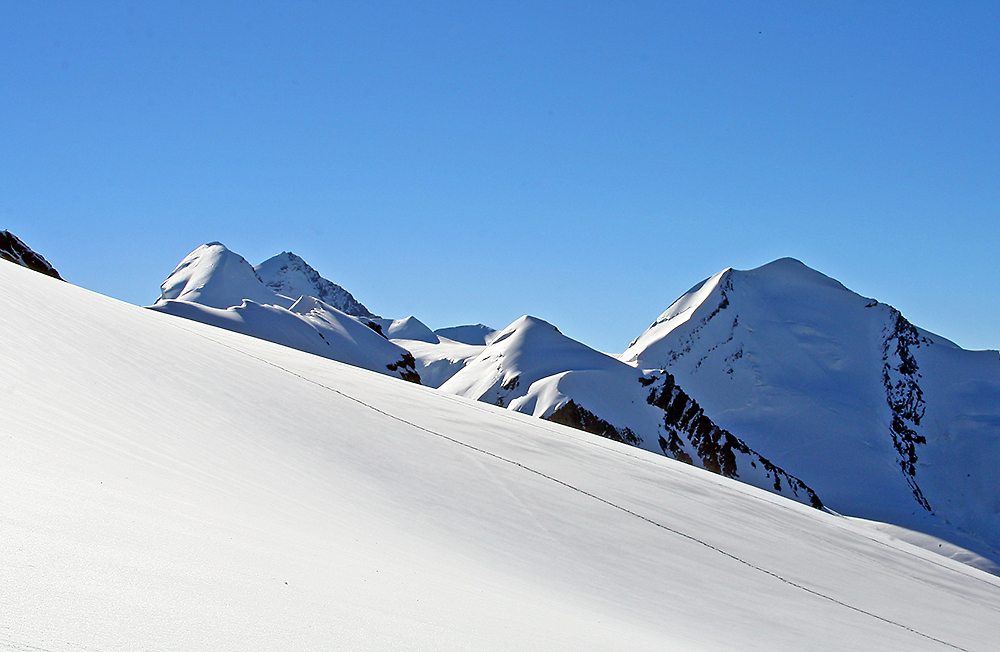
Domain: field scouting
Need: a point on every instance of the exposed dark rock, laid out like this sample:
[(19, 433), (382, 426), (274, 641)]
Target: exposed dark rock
[(646, 382), (900, 376), (715, 447), (375, 327), (512, 383), (12, 249), (574, 416), (406, 366)]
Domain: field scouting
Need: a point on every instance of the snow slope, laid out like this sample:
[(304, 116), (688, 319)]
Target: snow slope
[(216, 286), (173, 486), (883, 420), (289, 275)]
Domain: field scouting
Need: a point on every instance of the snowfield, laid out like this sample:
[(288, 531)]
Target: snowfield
[(169, 485)]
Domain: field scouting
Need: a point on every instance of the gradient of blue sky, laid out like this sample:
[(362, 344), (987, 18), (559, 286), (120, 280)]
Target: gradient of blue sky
[(583, 162)]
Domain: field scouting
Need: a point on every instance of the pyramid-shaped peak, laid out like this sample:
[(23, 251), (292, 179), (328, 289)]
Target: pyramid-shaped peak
[(789, 271), (288, 274)]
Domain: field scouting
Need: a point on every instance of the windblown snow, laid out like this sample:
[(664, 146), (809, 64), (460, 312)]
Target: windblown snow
[(173, 486)]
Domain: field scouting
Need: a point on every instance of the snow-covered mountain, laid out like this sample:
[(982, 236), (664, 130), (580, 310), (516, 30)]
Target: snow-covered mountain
[(14, 250), (533, 368), (216, 286), (289, 275), (779, 377), (172, 486), (882, 419)]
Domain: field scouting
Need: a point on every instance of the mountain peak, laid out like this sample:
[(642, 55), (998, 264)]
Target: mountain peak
[(790, 271), (214, 276), (288, 274)]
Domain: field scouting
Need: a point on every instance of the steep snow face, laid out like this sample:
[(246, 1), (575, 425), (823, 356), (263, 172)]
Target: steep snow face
[(289, 275), (883, 420), (475, 334), (246, 496), (216, 277), (14, 250), (216, 286)]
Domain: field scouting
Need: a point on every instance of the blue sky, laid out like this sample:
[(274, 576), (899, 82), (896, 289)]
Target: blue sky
[(583, 162)]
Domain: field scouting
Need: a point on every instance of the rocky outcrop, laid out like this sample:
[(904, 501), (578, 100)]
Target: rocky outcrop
[(901, 378), (12, 249), (406, 368), (691, 434), (574, 416)]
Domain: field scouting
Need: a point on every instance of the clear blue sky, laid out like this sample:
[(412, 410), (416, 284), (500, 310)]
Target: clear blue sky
[(583, 162)]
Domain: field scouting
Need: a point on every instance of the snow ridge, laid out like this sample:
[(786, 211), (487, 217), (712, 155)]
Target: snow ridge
[(531, 367)]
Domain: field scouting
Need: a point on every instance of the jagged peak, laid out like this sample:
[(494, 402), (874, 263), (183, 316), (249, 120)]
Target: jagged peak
[(289, 274), (14, 250)]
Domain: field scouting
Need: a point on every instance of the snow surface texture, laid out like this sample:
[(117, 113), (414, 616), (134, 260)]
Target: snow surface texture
[(289, 275), (883, 420), (173, 486), (217, 286), (14, 250)]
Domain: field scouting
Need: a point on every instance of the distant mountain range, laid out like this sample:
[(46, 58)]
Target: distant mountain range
[(778, 376)]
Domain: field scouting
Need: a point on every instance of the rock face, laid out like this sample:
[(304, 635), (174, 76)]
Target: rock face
[(901, 378), (691, 434), (289, 275), (882, 419), (12, 249)]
